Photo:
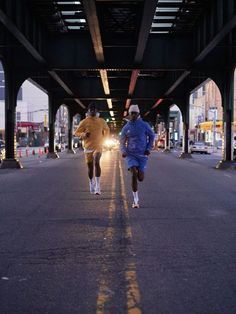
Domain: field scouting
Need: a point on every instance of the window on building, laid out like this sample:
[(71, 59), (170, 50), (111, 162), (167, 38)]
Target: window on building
[(18, 116)]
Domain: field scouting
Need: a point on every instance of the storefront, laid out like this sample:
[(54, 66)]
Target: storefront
[(212, 130)]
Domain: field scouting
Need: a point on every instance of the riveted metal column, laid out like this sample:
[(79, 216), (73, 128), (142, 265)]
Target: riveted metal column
[(227, 92), (185, 142), (52, 118), (167, 132), (228, 122), (11, 89), (227, 102), (185, 137), (70, 131)]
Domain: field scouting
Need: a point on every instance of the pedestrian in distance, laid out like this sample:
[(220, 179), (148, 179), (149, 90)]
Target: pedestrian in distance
[(93, 130), (136, 142)]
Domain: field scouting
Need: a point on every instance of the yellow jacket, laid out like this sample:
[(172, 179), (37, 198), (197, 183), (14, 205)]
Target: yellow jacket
[(97, 129)]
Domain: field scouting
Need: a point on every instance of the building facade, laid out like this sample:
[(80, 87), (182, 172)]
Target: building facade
[(206, 114)]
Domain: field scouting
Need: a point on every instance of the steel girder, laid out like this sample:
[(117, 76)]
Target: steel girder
[(64, 58), (19, 22), (165, 53)]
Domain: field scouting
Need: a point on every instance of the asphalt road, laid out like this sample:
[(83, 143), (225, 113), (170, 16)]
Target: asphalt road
[(63, 250)]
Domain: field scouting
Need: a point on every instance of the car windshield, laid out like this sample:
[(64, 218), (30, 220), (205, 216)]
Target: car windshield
[(199, 143)]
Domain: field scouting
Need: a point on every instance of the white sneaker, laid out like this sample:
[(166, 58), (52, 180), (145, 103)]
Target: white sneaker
[(97, 190), (91, 187), (135, 205)]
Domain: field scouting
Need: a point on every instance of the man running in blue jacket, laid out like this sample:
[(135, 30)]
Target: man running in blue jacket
[(136, 142)]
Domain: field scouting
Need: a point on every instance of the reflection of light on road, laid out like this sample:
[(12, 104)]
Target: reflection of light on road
[(106, 156)]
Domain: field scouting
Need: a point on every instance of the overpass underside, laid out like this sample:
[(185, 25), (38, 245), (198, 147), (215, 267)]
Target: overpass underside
[(153, 53)]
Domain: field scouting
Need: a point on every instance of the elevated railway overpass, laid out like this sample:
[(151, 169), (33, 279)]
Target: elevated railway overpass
[(151, 52)]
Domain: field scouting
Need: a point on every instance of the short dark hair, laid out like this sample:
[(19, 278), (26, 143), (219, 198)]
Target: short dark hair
[(92, 105)]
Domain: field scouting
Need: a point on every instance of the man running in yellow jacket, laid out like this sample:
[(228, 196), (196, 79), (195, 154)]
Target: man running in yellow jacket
[(92, 130)]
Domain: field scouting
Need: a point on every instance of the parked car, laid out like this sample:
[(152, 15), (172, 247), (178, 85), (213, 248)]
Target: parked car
[(199, 147), (219, 144), (2, 150), (234, 154), (161, 143)]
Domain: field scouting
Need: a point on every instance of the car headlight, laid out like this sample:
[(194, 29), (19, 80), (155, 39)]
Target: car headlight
[(109, 143)]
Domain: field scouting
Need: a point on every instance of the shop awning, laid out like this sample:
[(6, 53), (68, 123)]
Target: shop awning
[(208, 125)]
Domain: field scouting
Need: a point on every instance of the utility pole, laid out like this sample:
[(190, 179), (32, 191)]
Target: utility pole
[(214, 111)]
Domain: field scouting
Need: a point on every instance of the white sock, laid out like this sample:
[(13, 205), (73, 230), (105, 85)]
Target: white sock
[(97, 181), (91, 185), (135, 195)]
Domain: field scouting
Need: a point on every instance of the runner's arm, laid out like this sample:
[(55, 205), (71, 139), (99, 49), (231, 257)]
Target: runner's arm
[(123, 140), (151, 137), (81, 131)]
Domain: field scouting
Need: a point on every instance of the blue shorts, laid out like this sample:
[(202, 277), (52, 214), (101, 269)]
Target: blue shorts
[(139, 161)]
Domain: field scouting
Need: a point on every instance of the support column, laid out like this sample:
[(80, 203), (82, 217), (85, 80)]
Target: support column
[(185, 138), (227, 92), (11, 89), (70, 149), (228, 123), (185, 143), (167, 137), (52, 117)]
